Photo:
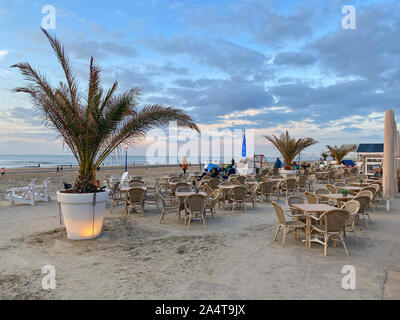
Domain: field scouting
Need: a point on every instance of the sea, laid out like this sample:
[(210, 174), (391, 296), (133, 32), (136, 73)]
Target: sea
[(51, 161)]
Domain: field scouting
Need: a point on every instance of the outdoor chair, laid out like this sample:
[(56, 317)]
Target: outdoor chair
[(116, 195), (289, 185), (237, 197), (168, 204), (135, 200), (362, 212), (331, 226), (352, 207), (287, 226), (331, 188), (311, 198), (212, 201), (22, 195), (195, 205)]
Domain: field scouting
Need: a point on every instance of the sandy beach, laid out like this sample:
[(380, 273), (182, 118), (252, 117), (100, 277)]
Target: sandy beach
[(233, 258)]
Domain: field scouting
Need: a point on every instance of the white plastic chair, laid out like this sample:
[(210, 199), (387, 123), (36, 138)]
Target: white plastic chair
[(22, 194), (41, 192)]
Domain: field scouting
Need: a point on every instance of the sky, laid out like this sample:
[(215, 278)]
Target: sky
[(265, 65)]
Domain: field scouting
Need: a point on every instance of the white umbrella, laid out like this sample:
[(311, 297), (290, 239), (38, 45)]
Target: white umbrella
[(389, 157)]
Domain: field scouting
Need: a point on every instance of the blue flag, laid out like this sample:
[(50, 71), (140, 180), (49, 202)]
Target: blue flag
[(244, 145)]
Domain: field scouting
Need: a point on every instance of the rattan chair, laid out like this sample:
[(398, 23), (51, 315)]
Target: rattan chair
[(352, 207), (212, 201), (362, 212), (135, 198), (237, 197), (168, 204), (195, 205), (241, 179), (320, 191), (116, 195), (251, 195), (331, 188), (331, 224), (289, 185), (311, 198), (287, 226)]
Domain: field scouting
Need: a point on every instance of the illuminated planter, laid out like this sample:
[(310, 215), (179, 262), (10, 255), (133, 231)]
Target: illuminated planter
[(83, 220)]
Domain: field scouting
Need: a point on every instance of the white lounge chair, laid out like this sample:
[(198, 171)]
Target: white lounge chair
[(22, 195), (42, 191)]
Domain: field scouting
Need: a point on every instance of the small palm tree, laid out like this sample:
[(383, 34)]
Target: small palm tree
[(338, 153), (324, 155), (290, 147), (94, 126)]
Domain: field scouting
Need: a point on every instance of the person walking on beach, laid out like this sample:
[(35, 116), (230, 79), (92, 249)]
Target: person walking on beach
[(3, 171), (184, 165), (58, 169)]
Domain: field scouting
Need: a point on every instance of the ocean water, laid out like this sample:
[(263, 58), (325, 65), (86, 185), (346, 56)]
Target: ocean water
[(46, 161)]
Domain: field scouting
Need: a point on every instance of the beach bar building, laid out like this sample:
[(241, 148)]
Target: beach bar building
[(370, 155)]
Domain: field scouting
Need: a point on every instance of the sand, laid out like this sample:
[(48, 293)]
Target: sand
[(233, 258)]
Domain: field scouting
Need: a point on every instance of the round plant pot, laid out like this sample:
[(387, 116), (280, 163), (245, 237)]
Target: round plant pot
[(82, 219)]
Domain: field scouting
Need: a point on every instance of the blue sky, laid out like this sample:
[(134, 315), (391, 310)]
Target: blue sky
[(250, 64)]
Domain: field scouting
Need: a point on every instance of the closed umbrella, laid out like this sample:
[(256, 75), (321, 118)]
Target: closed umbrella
[(389, 157)]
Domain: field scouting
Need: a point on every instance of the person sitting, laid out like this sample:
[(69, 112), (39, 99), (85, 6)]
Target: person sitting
[(204, 173), (214, 172)]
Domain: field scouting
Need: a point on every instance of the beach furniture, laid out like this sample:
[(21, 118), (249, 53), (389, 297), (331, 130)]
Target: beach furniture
[(237, 197), (195, 205), (212, 201), (41, 192), (352, 207), (362, 212), (168, 204), (251, 194), (116, 195), (22, 194), (311, 198), (135, 198), (289, 185), (287, 226), (331, 226)]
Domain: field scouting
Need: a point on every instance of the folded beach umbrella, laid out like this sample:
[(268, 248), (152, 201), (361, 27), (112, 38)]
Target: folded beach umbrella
[(389, 158)]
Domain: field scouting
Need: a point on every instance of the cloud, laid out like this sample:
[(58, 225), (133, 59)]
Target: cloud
[(294, 59), (84, 49), (3, 53)]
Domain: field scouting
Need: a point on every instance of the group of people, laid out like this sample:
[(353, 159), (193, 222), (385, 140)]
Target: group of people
[(293, 166), (216, 171)]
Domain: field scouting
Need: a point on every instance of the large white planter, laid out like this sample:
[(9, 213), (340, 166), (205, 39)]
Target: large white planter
[(83, 220)]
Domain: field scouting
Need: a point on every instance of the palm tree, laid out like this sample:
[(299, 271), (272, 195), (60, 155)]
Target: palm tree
[(324, 155), (290, 147), (338, 153), (96, 125)]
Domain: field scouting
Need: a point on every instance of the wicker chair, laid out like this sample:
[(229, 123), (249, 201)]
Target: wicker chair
[(135, 200), (349, 181), (352, 207), (241, 179), (266, 189), (237, 197), (301, 182), (287, 226), (213, 183), (311, 198), (251, 195), (331, 224), (195, 205), (372, 204), (183, 189), (236, 182), (207, 189), (168, 204), (331, 188), (179, 184), (340, 184), (289, 185), (320, 191), (212, 201), (116, 195), (362, 212), (296, 200), (133, 181)]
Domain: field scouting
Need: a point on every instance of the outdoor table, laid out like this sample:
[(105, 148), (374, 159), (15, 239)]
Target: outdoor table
[(352, 188), (309, 209), (182, 196), (125, 189), (337, 197), (251, 183), (359, 184)]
